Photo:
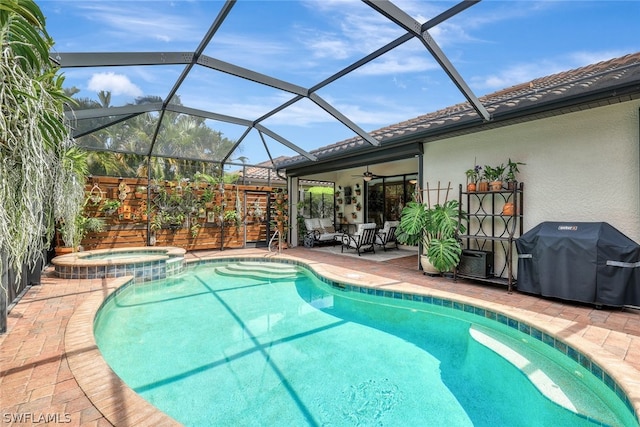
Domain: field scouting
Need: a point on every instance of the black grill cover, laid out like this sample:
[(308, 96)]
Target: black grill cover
[(588, 262)]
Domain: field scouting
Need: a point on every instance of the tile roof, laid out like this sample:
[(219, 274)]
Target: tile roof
[(533, 99), (263, 172)]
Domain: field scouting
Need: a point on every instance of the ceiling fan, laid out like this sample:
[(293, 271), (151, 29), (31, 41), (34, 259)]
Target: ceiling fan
[(367, 176)]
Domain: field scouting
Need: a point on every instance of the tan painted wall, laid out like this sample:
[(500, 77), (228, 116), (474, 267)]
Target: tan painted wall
[(582, 166)]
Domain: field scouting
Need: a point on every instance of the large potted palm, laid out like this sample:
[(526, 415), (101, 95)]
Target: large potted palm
[(436, 228)]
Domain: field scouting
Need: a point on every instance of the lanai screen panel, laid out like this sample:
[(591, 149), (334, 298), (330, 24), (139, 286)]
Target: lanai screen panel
[(187, 136), (229, 95), (317, 122), (124, 136), (260, 37)]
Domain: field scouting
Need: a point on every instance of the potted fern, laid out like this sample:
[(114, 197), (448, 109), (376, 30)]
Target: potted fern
[(436, 228)]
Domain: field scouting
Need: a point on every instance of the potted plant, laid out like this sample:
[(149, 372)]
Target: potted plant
[(110, 206), (140, 191), (512, 171), (358, 190), (436, 228), (354, 215), (232, 217), (358, 206), (86, 225), (207, 197), (473, 175), (72, 236), (176, 221), (495, 176)]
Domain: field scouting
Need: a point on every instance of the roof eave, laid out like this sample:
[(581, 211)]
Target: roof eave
[(535, 111)]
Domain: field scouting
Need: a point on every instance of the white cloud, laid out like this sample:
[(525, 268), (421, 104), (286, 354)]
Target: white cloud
[(117, 84), (141, 20), (393, 64)]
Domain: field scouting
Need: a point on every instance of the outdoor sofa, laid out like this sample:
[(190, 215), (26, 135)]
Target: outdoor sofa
[(320, 231)]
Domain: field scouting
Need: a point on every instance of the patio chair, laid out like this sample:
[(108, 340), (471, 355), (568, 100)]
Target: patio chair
[(363, 240), (386, 236)]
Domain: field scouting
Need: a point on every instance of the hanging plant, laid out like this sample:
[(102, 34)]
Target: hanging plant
[(95, 195), (194, 229), (258, 212), (110, 206), (34, 140)]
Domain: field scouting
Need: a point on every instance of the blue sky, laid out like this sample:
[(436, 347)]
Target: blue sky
[(493, 45)]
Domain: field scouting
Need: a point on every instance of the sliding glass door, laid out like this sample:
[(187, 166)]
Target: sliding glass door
[(386, 196)]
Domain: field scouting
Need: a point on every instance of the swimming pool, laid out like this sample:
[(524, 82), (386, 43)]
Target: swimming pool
[(279, 347)]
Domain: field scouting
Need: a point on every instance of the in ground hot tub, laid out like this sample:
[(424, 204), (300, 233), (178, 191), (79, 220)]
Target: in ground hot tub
[(144, 263)]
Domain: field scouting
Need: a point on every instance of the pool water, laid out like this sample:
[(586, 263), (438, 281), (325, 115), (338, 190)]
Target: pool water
[(251, 346)]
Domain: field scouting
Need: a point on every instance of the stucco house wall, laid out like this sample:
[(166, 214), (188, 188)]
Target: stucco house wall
[(580, 166)]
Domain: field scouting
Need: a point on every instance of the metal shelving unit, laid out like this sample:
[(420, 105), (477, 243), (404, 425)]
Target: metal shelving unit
[(491, 232)]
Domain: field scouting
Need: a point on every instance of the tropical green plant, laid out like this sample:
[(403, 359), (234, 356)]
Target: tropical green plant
[(512, 170), (473, 175), (86, 225), (33, 136), (232, 216), (436, 228), (496, 173), (172, 208), (207, 195), (156, 222), (194, 229), (110, 206)]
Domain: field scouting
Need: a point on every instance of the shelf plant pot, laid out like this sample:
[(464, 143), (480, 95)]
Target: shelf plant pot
[(508, 209)]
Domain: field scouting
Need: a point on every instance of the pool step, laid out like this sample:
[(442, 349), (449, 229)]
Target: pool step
[(258, 270), (556, 383)]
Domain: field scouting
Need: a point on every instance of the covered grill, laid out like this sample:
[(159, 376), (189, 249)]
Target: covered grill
[(589, 262)]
